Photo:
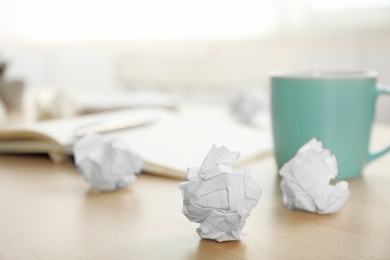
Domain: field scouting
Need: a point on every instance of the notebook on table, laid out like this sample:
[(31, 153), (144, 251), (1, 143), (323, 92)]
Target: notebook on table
[(168, 141)]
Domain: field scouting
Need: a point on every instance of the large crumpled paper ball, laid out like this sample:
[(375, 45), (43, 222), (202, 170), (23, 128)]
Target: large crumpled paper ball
[(107, 165), (219, 198), (306, 181)]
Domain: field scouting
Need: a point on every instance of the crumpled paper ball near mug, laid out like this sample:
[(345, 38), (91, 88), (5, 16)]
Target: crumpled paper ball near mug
[(306, 183), (219, 197), (336, 107)]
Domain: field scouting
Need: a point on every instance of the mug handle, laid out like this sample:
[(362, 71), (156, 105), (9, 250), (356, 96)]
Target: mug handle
[(372, 156)]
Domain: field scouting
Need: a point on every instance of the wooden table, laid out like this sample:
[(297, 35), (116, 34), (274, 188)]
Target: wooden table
[(47, 211)]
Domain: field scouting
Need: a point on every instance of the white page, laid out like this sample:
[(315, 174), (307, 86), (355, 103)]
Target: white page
[(175, 141), (178, 143)]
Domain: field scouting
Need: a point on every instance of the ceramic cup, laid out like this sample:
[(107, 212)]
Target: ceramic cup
[(336, 107), (11, 92)]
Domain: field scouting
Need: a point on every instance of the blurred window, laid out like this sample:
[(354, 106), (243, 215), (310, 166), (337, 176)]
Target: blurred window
[(113, 20)]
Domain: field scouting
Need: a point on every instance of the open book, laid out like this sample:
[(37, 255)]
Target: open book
[(168, 141)]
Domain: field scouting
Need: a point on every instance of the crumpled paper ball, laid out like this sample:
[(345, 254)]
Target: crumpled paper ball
[(249, 106), (306, 181), (107, 165), (55, 103), (218, 197)]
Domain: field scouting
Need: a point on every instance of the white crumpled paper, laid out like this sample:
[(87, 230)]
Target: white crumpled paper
[(106, 164), (306, 181), (218, 197), (249, 106), (54, 103)]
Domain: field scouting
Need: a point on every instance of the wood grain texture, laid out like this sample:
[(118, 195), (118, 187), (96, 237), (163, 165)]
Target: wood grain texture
[(47, 211)]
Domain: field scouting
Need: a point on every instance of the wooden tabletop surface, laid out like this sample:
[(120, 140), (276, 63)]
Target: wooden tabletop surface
[(47, 211)]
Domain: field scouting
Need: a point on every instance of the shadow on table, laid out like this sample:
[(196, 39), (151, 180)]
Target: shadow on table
[(209, 249)]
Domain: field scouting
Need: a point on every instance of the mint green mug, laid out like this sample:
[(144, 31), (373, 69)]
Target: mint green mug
[(336, 107)]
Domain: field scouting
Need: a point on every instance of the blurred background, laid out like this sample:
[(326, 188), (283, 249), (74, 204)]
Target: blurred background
[(204, 50)]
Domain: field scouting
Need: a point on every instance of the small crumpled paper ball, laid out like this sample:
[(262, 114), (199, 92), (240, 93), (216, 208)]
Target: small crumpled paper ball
[(54, 103), (107, 165), (306, 181), (249, 105), (218, 197)]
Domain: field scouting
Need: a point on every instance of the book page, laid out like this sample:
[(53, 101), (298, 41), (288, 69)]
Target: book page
[(180, 141), (61, 132), (168, 145)]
